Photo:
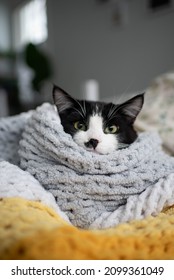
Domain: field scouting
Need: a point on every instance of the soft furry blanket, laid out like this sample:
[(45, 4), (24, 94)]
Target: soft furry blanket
[(158, 110), (96, 191), (30, 230)]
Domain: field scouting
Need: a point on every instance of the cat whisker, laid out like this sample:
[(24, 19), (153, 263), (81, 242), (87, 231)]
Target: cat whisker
[(114, 110), (125, 91), (83, 111), (126, 110), (79, 112), (81, 107), (110, 110), (84, 105)]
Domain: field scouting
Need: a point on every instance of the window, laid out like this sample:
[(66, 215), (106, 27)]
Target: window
[(30, 23)]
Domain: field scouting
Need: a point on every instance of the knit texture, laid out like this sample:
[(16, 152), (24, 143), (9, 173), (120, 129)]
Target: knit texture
[(97, 191), (29, 230), (14, 182)]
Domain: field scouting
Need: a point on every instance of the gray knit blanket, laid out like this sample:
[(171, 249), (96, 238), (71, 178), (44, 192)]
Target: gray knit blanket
[(94, 191)]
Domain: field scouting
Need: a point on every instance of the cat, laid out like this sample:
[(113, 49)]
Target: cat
[(98, 126)]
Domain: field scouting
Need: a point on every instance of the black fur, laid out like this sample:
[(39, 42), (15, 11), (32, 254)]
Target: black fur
[(122, 115)]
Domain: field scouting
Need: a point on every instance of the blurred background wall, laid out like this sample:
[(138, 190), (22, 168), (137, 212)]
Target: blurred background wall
[(87, 43), (122, 44), (5, 33)]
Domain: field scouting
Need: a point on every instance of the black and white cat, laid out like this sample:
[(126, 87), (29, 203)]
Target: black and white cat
[(97, 126)]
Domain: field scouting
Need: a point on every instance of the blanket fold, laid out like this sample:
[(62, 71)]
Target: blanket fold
[(97, 191), (29, 230)]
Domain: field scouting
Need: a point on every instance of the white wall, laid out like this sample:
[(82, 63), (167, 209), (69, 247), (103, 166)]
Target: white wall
[(84, 43)]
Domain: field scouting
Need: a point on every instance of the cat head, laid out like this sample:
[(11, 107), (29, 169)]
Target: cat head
[(98, 126)]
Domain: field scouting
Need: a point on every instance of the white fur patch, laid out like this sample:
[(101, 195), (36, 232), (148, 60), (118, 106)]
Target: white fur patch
[(107, 142)]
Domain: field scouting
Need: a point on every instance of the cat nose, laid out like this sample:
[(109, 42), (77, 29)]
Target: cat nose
[(92, 143)]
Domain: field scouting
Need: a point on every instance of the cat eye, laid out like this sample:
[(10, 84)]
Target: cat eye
[(80, 126), (111, 129)]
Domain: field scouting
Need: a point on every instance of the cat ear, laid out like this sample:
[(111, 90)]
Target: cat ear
[(61, 99), (132, 107)]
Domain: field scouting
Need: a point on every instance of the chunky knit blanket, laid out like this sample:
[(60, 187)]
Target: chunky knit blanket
[(95, 191), (30, 230)]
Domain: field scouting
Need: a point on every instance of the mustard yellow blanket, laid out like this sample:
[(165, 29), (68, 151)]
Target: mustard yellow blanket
[(30, 230)]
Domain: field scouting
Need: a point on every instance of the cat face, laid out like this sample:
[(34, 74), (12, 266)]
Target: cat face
[(97, 126)]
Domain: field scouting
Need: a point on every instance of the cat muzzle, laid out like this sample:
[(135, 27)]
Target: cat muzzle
[(92, 143)]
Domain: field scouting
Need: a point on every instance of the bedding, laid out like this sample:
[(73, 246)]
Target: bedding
[(124, 217), (158, 110), (31, 230)]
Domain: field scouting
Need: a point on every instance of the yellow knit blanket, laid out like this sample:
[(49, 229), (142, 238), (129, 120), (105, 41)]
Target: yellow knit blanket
[(30, 230)]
